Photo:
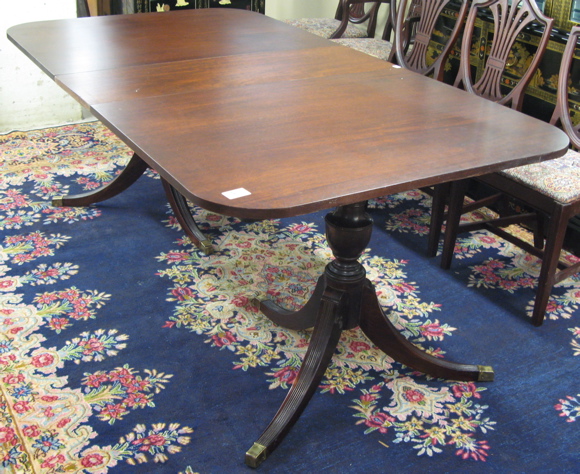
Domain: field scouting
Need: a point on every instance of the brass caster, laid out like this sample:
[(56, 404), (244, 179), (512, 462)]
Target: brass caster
[(486, 373), (206, 247), (256, 455), (256, 302)]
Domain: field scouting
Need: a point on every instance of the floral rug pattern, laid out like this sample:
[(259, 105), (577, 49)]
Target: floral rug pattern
[(43, 422), (49, 424), (264, 261)]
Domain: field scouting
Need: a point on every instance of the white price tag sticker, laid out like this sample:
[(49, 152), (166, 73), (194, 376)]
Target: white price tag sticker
[(236, 193)]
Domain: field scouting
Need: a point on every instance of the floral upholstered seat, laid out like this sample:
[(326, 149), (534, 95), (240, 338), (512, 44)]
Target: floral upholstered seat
[(325, 27), (558, 179), (372, 46)]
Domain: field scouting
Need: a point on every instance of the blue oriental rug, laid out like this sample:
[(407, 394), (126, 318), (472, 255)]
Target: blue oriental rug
[(124, 349)]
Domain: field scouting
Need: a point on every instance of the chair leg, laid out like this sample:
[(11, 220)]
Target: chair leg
[(440, 193), (554, 241), (456, 198), (539, 231)]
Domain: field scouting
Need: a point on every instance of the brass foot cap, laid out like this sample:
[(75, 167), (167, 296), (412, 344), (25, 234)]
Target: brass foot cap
[(206, 247), (256, 455), (57, 201), (486, 373), (256, 302)]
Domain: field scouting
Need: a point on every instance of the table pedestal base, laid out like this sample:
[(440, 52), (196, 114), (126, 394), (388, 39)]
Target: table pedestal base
[(132, 172), (344, 298)]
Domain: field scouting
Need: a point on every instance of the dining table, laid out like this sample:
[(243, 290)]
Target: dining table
[(246, 116)]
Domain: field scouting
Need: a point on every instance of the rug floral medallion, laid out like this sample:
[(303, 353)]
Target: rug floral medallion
[(84, 388)]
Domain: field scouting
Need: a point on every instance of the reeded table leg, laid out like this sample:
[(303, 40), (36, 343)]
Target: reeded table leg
[(386, 337), (344, 298), (132, 172), (299, 320), (324, 340), (183, 214)]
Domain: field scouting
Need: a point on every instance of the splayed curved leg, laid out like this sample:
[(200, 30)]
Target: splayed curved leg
[(346, 299), (348, 230), (324, 340), (132, 172), (384, 335), (303, 318), (182, 212)]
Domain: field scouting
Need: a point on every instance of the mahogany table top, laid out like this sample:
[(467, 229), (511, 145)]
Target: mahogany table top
[(219, 100)]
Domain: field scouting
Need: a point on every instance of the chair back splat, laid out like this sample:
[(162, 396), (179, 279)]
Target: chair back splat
[(353, 12), (382, 47), (550, 188), (509, 20), (348, 21), (413, 32), (561, 115), (414, 24)]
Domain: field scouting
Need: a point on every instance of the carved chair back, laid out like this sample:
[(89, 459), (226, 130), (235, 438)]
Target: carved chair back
[(414, 29), (561, 115), (353, 11), (510, 18)]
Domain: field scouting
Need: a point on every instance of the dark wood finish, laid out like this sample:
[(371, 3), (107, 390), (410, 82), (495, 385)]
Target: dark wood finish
[(299, 320), (346, 299), (353, 11), (93, 87), (559, 214), (132, 172), (106, 87), (298, 142), (372, 15), (185, 34), (279, 127), (561, 115), (510, 19), (540, 95), (183, 214), (416, 21)]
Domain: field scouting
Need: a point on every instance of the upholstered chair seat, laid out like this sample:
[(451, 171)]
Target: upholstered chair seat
[(372, 46), (557, 179), (326, 26)]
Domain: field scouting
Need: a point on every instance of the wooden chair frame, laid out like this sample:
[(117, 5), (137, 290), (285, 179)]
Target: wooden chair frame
[(352, 11), (421, 19), (412, 22), (557, 214), (509, 21), (561, 115)]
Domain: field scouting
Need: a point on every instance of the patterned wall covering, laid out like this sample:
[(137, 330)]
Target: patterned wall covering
[(166, 5), (541, 93), (540, 96)]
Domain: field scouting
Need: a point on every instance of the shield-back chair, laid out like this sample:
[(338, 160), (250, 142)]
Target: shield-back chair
[(348, 21), (551, 189), (411, 45)]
